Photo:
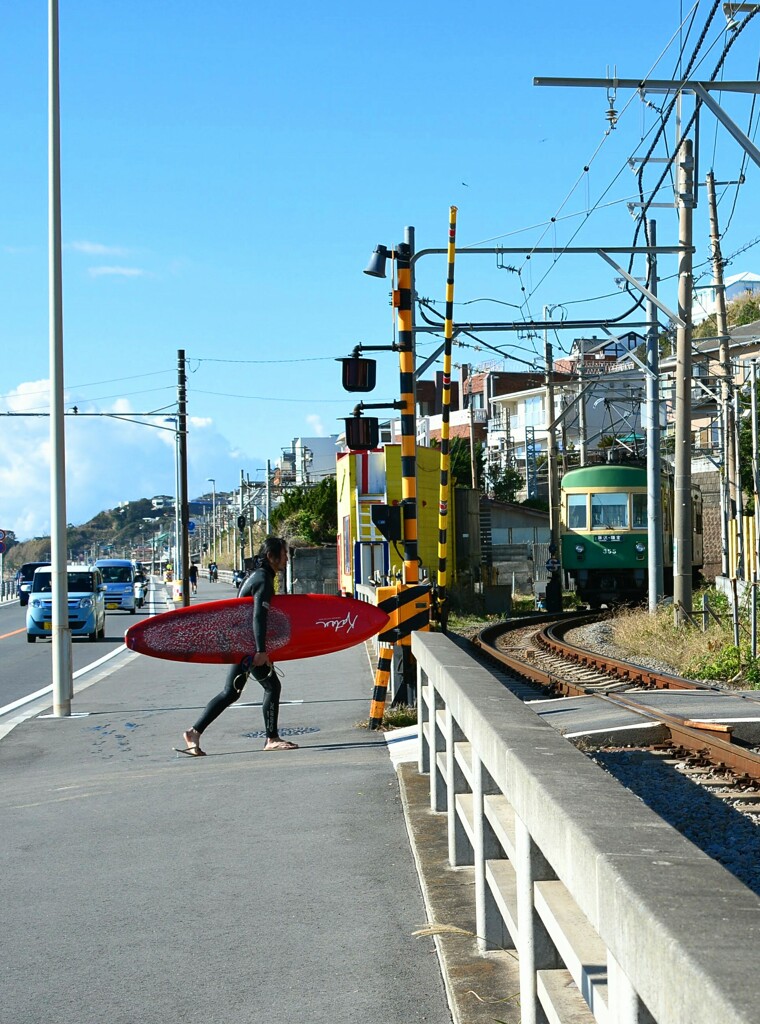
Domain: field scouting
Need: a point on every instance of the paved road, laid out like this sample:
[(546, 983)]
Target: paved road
[(245, 886)]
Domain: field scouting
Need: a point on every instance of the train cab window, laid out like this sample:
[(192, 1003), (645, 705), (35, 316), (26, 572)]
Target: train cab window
[(609, 511), (639, 519), (577, 513)]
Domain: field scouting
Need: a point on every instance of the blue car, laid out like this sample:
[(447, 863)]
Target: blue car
[(87, 607), (119, 578), (24, 578)]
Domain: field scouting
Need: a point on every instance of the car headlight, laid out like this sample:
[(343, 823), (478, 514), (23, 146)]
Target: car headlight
[(36, 603), (640, 548), (86, 603)]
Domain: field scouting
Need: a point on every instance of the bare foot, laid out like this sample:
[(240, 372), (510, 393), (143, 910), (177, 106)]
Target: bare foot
[(192, 738), (278, 744)]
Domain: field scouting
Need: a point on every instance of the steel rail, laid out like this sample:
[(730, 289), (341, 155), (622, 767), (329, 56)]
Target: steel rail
[(710, 740)]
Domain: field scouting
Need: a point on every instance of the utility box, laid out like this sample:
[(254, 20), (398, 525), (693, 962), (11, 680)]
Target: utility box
[(497, 599)]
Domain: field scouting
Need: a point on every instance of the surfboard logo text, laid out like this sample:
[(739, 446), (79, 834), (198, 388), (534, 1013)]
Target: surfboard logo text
[(347, 623)]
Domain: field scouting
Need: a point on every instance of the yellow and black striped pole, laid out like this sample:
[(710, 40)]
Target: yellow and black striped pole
[(403, 302), (445, 484)]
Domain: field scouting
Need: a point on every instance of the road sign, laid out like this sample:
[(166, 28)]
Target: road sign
[(191, 527), (2, 547), (2, 534), (552, 564)]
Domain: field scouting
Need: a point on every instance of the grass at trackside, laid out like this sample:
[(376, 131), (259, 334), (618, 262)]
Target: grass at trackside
[(688, 650), (394, 718)]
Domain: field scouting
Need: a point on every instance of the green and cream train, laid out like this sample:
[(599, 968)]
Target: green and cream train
[(604, 536)]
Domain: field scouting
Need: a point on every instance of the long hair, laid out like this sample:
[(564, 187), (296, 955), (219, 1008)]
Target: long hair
[(273, 546)]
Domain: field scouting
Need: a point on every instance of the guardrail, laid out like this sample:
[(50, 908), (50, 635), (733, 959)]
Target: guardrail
[(613, 915), (8, 591)]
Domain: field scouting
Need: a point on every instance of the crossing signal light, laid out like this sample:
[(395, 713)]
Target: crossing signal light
[(359, 374), (241, 522), (362, 433)]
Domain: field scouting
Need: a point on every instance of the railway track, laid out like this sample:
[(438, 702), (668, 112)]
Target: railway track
[(706, 752)]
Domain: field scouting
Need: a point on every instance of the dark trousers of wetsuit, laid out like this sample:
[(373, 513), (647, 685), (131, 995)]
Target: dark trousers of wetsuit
[(236, 680)]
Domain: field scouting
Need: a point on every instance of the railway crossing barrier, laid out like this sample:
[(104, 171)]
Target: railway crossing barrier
[(613, 916)]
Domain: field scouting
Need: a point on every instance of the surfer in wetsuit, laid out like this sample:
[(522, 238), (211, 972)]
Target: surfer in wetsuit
[(260, 585)]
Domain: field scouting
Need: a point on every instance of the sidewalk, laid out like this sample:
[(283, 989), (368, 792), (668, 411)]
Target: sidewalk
[(142, 885)]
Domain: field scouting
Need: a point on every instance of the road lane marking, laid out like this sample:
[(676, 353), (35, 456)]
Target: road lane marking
[(14, 633), (49, 689)]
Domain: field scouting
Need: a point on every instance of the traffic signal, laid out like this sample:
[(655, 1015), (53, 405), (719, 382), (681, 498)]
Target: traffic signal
[(241, 522)]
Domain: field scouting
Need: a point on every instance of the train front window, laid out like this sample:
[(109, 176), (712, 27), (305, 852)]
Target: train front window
[(577, 515), (609, 511), (639, 511)]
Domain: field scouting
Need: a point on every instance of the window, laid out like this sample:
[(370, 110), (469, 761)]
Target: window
[(577, 513), (534, 411), (639, 511), (609, 511)]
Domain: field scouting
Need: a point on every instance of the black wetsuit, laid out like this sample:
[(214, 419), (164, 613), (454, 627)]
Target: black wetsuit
[(259, 585)]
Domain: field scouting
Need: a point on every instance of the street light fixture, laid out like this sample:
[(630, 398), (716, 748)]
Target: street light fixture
[(212, 481)]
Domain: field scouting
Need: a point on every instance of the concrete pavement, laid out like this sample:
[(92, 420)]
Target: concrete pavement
[(141, 885)]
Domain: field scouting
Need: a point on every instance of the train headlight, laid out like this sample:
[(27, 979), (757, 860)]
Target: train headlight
[(640, 548), (580, 550)]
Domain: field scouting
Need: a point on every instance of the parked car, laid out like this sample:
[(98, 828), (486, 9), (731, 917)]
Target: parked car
[(24, 580), (119, 578), (87, 607)]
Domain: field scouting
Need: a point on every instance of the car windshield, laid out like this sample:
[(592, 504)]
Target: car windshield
[(26, 572), (116, 573), (78, 583)]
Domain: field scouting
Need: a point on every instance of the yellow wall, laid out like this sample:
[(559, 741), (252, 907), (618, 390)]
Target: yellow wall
[(428, 481)]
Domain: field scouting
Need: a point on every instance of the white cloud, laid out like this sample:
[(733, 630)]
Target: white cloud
[(116, 271), (107, 460), (97, 249), (316, 424)]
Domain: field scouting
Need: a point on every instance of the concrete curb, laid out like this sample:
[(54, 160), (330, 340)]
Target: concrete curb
[(480, 988)]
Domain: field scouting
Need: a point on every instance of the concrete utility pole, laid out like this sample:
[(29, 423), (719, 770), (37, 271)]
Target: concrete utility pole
[(183, 554), (682, 526), (727, 476), (755, 474), (554, 582), (582, 428), (63, 686), (654, 501), (268, 505)]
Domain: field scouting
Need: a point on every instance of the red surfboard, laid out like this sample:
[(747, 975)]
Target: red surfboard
[(221, 632)]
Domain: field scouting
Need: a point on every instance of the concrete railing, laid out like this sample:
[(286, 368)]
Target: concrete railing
[(613, 915)]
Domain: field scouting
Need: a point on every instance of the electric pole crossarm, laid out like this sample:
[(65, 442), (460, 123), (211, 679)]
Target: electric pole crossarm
[(733, 129), (644, 290), (648, 84)]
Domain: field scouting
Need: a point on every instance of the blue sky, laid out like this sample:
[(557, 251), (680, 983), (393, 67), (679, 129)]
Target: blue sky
[(227, 170)]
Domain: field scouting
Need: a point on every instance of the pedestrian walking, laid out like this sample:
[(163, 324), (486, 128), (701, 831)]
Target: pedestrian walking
[(272, 558), (192, 575)]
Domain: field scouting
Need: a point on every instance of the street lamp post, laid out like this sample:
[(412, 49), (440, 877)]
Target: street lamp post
[(212, 481)]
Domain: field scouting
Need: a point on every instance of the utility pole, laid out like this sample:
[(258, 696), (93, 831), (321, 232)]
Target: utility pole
[(727, 476), (473, 459), (654, 501), (682, 525), (582, 428), (554, 583), (268, 506), (183, 555), (741, 554), (755, 473), (63, 686)]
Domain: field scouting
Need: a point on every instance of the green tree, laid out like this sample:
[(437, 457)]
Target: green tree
[(506, 485), (308, 514), (460, 464)]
